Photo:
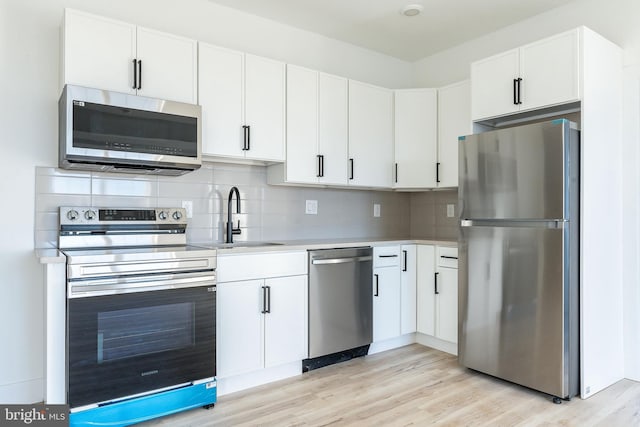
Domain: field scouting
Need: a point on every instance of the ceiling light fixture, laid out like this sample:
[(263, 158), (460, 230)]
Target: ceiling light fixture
[(412, 10)]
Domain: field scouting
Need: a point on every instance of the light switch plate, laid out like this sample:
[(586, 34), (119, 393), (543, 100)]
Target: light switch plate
[(450, 210), (311, 207), (376, 210), (187, 205)]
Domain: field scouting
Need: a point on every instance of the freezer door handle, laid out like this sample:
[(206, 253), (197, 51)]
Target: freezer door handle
[(523, 223)]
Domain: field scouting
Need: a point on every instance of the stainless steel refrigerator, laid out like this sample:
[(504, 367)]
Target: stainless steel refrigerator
[(519, 255)]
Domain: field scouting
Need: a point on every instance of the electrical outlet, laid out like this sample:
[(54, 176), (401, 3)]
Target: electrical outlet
[(187, 205), (311, 207), (376, 210), (450, 211)]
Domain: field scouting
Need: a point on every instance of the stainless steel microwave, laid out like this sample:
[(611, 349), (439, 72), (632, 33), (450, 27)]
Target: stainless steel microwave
[(116, 132)]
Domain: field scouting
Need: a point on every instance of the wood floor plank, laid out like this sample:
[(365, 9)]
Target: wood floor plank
[(409, 386)]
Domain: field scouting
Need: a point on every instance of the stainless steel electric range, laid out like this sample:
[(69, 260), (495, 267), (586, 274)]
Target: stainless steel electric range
[(141, 312)]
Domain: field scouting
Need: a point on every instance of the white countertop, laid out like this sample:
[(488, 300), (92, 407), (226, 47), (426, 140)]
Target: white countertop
[(54, 256)]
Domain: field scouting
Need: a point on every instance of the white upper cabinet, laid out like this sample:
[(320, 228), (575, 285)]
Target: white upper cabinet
[(416, 120), (316, 127), (370, 135), (264, 108), (454, 120), (221, 94), (333, 128), (550, 71), (112, 55), (243, 104), (302, 161), (167, 66), (540, 74)]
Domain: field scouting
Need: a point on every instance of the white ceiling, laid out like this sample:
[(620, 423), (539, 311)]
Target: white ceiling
[(378, 24)]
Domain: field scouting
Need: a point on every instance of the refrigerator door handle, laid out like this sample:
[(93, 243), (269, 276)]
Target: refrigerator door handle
[(540, 223)]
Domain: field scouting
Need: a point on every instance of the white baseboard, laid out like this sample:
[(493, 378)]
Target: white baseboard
[(256, 378), (22, 393), (392, 343), (438, 344)]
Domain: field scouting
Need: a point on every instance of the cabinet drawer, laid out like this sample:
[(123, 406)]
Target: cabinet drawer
[(386, 256), (232, 268), (447, 257)]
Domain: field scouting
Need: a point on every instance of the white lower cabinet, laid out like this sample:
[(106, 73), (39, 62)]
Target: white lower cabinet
[(408, 278), (260, 322), (425, 292), (437, 292), (386, 292)]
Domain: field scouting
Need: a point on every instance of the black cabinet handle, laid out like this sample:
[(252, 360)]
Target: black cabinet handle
[(404, 261), (435, 283), (320, 166), (268, 299), (515, 91), (388, 256), (448, 257), (245, 141), (139, 73), (396, 173), (377, 285), (351, 168), (519, 85), (264, 300), (135, 74), (437, 172)]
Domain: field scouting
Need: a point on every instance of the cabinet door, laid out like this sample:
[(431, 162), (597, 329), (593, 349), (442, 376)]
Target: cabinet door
[(302, 125), (98, 52), (447, 304), (264, 107), (408, 289), (386, 303), (169, 66), (333, 129), (426, 290), (454, 120), (550, 71), (221, 94), (370, 135), (416, 114), (492, 88), (239, 326), (286, 322)]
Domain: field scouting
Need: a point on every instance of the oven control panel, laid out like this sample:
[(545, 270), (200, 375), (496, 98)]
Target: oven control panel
[(91, 215)]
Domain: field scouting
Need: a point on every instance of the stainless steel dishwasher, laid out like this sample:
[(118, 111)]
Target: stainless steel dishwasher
[(340, 305)]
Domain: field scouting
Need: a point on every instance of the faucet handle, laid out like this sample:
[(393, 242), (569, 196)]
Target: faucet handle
[(236, 230)]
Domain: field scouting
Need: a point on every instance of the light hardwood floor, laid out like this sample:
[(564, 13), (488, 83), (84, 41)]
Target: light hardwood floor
[(412, 385)]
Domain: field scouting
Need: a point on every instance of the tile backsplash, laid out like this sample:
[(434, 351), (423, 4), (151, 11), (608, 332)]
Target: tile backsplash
[(429, 215), (268, 212)]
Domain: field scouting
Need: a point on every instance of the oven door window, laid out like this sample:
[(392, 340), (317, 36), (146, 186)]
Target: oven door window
[(120, 345)]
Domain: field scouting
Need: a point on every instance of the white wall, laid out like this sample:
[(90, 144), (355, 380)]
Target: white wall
[(616, 20), (29, 67)]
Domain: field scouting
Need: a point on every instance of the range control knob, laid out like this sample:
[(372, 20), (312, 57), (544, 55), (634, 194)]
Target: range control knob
[(162, 215), (177, 215), (72, 215), (90, 215)]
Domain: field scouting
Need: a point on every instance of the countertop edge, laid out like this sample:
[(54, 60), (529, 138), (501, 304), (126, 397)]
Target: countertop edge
[(291, 246), (50, 256)]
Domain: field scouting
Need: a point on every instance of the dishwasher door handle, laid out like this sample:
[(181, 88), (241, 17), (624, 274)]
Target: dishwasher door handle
[(340, 260)]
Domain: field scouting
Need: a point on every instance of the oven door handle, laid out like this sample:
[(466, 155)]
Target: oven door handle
[(114, 286)]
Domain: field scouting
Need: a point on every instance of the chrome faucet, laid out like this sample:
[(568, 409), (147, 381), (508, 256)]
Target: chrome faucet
[(230, 230)]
